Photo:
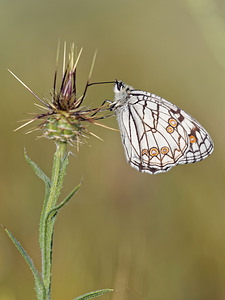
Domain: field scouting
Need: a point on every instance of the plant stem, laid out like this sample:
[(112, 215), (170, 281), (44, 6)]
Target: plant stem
[(60, 163)]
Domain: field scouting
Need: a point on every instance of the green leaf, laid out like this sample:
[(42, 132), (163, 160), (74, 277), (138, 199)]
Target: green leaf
[(37, 170), (38, 282), (51, 216), (55, 210), (94, 294), (47, 182)]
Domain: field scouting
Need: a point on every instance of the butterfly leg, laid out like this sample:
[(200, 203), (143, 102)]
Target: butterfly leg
[(99, 109)]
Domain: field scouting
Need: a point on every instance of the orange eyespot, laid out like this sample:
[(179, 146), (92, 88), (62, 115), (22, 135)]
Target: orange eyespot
[(164, 150), (153, 151), (169, 129), (192, 139), (173, 122), (144, 152)]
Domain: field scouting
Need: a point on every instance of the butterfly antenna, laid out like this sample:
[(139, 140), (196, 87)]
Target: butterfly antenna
[(101, 82)]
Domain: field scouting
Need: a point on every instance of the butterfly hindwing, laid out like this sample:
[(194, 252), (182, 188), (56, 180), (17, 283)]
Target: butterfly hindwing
[(156, 134)]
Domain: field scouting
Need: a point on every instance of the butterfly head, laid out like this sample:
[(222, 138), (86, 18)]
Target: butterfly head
[(119, 86), (122, 91)]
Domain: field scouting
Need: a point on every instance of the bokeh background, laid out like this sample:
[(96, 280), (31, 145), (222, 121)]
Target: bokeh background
[(149, 237)]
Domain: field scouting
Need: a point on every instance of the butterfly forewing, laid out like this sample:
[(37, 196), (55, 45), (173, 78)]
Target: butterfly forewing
[(156, 134)]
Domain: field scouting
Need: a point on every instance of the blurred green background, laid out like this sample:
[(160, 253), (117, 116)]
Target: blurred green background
[(149, 237)]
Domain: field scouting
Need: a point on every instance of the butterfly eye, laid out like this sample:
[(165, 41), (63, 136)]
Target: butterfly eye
[(119, 85)]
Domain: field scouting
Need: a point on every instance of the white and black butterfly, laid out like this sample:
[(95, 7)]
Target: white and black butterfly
[(156, 134)]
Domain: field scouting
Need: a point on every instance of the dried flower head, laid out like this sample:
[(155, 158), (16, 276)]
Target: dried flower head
[(63, 118)]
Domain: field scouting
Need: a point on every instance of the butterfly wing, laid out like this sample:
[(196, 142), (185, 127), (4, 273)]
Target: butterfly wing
[(157, 135)]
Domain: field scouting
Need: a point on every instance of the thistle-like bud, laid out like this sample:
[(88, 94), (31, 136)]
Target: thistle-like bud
[(63, 129), (63, 118)]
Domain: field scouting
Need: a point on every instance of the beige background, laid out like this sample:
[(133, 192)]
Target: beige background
[(149, 237)]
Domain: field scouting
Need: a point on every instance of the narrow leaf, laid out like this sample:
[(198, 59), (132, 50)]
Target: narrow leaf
[(55, 210), (47, 182), (37, 170), (38, 281), (94, 294)]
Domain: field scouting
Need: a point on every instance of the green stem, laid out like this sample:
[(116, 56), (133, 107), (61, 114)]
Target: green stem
[(60, 163)]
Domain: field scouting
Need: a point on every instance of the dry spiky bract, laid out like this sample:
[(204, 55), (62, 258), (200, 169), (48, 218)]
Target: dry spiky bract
[(64, 119)]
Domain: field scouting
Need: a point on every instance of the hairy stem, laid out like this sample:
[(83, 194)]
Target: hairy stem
[(60, 163)]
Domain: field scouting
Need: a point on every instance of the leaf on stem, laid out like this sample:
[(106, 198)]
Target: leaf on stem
[(94, 294), (55, 210), (47, 182), (38, 171), (38, 281)]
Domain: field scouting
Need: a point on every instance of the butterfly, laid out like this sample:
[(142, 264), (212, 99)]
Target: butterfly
[(156, 134)]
